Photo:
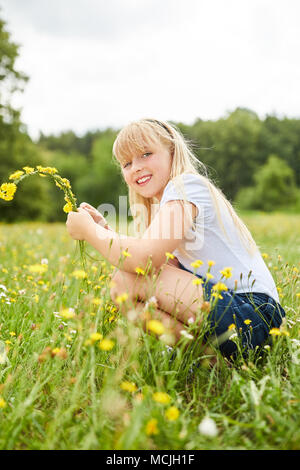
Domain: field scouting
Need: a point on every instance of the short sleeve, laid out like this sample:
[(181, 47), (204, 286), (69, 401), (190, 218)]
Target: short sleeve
[(189, 186), (192, 188)]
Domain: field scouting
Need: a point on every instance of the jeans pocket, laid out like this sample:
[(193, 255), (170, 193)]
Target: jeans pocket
[(254, 336)]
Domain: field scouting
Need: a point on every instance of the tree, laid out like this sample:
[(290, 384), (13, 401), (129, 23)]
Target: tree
[(16, 147), (274, 188)]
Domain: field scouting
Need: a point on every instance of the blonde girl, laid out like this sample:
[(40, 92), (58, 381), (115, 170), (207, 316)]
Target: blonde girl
[(190, 250)]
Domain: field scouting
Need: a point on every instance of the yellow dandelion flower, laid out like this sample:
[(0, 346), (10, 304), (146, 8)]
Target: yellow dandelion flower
[(265, 255), (38, 268), (140, 271), (197, 263), (128, 387), (79, 274), (161, 397), (169, 255), (209, 276), (67, 313), (122, 298), (49, 170), (226, 272), (275, 332), (97, 301), (12, 333), (172, 413), (106, 344), (211, 263), (247, 322), (231, 327), (156, 327), (298, 295), (7, 191), (28, 170), (2, 403), (16, 175), (151, 427), (68, 207), (96, 337), (126, 254), (219, 287), (197, 282)]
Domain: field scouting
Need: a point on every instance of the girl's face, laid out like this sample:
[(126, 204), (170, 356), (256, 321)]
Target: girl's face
[(148, 172)]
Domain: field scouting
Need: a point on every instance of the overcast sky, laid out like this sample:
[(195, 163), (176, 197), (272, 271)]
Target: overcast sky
[(99, 63)]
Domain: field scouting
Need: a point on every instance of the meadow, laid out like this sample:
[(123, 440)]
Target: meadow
[(75, 374)]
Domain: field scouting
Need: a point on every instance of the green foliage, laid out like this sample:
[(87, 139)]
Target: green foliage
[(103, 182), (16, 148), (59, 390), (274, 187)]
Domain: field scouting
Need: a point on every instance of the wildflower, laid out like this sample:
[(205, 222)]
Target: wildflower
[(7, 191), (97, 301), (59, 352), (49, 170), (247, 322), (95, 337), (226, 272), (172, 413), (12, 333), (219, 287), (2, 403), (197, 263), (28, 170), (128, 387), (122, 298), (38, 268), (231, 327), (151, 301), (140, 271), (106, 344), (68, 207), (275, 332), (209, 276), (265, 255), (126, 254), (197, 282), (151, 427), (79, 274), (161, 397), (186, 334), (208, 427), (169, 255), (211, 263), (298, 295), (156, 327), (67, 313), (16, 175)]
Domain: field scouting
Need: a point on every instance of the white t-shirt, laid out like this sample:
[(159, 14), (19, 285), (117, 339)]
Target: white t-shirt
[(207, 241)]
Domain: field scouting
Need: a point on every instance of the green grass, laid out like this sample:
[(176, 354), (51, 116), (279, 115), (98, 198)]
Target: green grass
[(59, 390)]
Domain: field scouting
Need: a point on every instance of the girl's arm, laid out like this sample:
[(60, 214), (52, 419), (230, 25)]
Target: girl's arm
[(164, 234)]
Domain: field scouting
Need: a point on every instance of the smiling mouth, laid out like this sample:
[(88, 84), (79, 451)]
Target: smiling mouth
[(144, 181)]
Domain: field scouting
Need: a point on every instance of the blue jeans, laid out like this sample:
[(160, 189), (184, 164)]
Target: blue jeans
[(262, 310)]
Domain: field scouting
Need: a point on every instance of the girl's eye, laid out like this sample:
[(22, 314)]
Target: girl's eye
[(148, 153), (126, 164)]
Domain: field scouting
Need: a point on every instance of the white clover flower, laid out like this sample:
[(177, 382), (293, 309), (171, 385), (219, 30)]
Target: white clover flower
[(44, 261), (3, 287), (191, 320), (208, 427), (186, 334)]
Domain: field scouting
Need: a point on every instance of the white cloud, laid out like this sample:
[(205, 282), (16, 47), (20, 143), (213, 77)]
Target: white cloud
[(95, 64)]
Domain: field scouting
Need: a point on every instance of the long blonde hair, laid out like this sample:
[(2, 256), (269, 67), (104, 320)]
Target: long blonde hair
[(137, 136)]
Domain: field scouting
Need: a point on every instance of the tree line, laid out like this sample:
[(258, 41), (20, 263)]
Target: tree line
[(256, 162)]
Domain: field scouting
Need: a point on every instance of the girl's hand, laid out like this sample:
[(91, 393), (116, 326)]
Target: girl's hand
[(96, 215), (78, 224)]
